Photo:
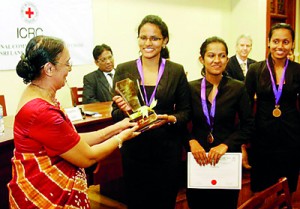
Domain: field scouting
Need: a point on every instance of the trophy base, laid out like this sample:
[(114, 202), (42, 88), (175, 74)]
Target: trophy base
[(145, 122)]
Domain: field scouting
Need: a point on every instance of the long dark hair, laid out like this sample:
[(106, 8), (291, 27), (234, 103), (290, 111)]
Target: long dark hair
[(156, 20), (282, 26), (203, 48), (275, 27)]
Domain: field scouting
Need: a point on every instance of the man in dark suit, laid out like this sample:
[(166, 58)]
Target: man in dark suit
[(238, 64), (237, 68), (97, 84)]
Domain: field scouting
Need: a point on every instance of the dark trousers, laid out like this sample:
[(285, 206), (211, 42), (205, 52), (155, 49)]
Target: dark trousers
[(214, 198)]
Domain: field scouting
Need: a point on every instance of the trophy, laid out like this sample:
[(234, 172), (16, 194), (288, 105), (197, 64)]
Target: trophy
[(142, 114)]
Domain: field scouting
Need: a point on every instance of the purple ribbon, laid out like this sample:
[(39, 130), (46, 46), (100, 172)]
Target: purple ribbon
[(277, 93), (209, 116), (160, 73)]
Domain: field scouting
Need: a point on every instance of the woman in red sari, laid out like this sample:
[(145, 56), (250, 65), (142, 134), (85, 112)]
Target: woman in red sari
[(49, 154)]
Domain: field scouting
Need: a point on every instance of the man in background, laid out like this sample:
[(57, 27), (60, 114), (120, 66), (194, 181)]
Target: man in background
[(238, 64), (237, 68), (97, 85)]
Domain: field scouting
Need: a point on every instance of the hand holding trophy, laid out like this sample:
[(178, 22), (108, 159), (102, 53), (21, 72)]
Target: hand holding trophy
[(143, 115)]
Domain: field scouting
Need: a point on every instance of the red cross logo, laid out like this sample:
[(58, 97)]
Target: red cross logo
[(29, 12)]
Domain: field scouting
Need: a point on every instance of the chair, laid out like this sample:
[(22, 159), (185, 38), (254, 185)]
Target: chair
[(76, 94), (275, 196), (2, 102)]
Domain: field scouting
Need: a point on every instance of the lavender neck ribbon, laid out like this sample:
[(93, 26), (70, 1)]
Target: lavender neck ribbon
[(277, 93), (160, 73), (209, 116)]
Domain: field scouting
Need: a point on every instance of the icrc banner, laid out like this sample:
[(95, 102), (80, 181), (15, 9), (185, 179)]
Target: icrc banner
[(69, 20)]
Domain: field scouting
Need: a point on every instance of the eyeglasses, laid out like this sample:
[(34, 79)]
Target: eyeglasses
[(151, 38), (68, 64), (105, 59)]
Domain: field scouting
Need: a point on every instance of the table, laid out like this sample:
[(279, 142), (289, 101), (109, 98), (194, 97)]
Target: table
[(92, 124), (110, 166)]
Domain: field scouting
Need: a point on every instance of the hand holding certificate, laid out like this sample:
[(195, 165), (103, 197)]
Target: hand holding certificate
[(226, 174)]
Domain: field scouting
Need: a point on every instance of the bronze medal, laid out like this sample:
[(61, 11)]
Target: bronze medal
[(210, 138), (277, 111)]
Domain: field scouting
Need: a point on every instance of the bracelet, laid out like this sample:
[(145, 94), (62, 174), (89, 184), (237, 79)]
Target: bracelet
[(120, 141)]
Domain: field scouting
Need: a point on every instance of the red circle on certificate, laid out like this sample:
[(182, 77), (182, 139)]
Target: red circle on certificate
[(213, 182)]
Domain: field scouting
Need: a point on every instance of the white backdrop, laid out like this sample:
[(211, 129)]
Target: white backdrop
[(70, 20)]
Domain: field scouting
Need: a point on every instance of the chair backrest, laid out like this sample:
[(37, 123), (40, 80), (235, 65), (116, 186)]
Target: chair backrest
[(76, 94), (2, 102), (275, 196)]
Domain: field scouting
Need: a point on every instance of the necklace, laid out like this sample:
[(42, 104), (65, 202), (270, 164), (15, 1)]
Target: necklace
[(48, 97)]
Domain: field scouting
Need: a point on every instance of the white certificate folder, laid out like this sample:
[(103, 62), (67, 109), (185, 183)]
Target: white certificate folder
[(227, 174)]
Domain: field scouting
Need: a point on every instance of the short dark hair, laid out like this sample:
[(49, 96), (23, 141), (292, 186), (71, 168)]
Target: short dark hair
[(99, 49), (39, 51)]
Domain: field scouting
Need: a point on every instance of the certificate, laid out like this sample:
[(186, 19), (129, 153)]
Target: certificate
[(227, 174)]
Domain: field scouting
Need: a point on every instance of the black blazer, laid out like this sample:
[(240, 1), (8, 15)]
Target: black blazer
[(232, 100), (275, 135), (234, 69), (160, 147), (96, 88), (172, 89)]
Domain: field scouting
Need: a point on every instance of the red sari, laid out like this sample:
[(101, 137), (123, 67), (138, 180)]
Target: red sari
[(40, 177)]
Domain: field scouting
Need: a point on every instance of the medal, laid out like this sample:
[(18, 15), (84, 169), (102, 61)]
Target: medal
[(208, 115), (210, 138), (277, 92), (276, 111)]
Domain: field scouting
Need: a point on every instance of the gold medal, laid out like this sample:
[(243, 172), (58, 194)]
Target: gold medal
[(210, 138), (276, 111)]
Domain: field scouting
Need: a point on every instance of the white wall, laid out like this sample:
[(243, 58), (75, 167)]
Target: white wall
[(248, 17), (189, 22)]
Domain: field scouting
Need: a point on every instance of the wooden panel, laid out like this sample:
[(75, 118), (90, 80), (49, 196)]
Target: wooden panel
[(76, 95), (245, 192), (296, 195), (272, 197)]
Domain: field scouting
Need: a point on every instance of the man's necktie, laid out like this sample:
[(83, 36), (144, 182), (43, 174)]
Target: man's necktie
[(110, 74), (244, 68), (111, 79)]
